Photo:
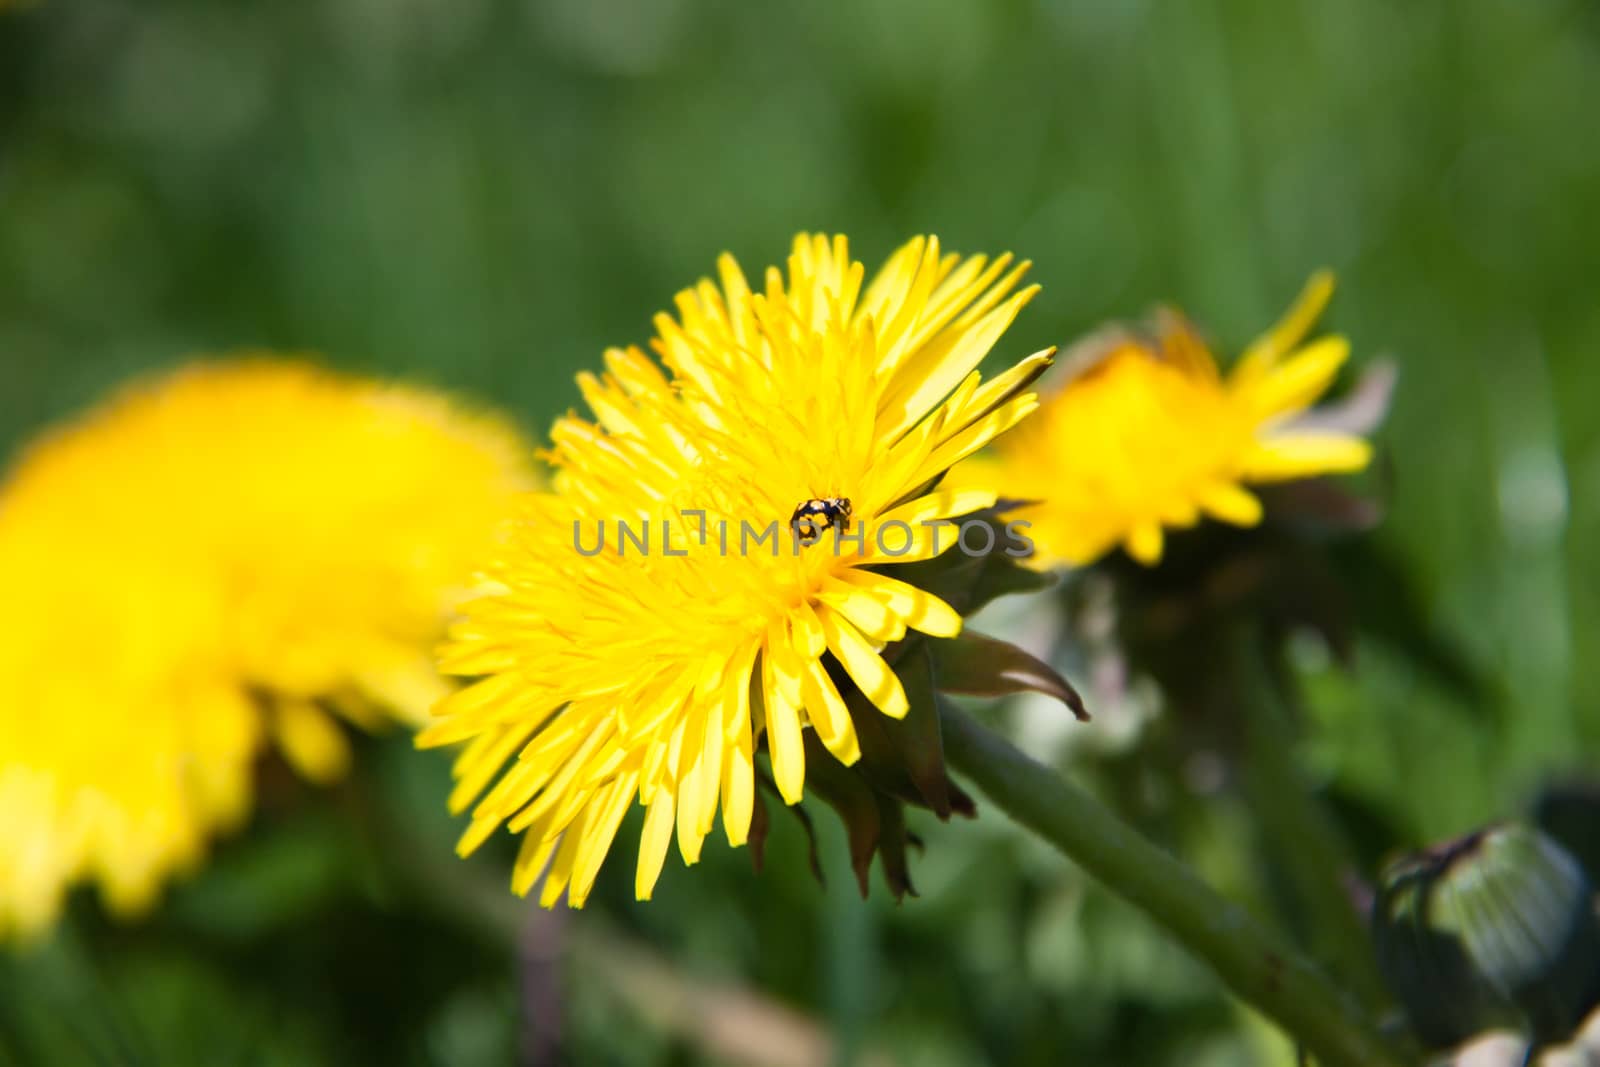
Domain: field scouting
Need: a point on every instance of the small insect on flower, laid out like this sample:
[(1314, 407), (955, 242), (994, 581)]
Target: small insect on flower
[(812, 517)]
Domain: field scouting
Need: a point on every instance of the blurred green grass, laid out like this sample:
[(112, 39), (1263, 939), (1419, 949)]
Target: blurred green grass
[(485, 195)]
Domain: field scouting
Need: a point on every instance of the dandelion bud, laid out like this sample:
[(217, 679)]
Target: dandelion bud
[(1494, 929)]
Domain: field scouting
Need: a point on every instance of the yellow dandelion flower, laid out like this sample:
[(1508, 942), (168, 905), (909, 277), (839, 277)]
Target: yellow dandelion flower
[(1153, 435), (205, 561), (609, 673)]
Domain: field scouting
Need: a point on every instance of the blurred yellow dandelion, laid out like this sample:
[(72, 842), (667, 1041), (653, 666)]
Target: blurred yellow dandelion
[(207, 560), (1153, 435), (610, 672)]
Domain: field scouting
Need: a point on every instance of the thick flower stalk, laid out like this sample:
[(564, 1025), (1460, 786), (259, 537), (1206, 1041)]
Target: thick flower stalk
[(614, 671), (1146, 434), (238, 552)]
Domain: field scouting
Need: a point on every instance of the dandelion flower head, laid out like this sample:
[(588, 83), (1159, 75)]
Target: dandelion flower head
[(209, 560), (630, 676), (1152, 435)]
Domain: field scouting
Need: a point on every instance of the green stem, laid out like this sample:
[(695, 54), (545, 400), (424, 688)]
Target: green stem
[(1298, 833), (1263, 972)]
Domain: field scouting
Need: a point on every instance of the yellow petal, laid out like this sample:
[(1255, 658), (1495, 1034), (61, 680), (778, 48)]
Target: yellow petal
[(653, 844), (476, 833), (942, 504), (897, 327), (312, 742), (965, 295), (709, 771), (738, 787), (1295, 324), (869, 614), (557, 788), (483, 759), (985, 471), (1296, 383), (920, 529), (865, 667), (533, 855), (784, 743), (692, 781), (1231, 503), (1144, 542), (596, 840), (998, 388), (1177, 511), (467, 711), (830, 715), (555, 882), (1288, 456), (780, 665), (736, 707), (927, 377), (979, 433), (611, 409), (807, 631), (919, 609)]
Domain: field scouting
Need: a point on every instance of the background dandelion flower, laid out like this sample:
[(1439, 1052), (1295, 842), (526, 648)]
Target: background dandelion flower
[(1151, 434), (206, 561), (630, 673)]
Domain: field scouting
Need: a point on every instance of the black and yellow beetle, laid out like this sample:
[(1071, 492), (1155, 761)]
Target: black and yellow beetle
[(813, 516)]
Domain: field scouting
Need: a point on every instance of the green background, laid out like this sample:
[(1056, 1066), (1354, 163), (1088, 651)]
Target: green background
[(484, 196)]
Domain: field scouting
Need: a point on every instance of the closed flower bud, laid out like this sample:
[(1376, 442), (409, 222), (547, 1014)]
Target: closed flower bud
[(1494, 929)]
